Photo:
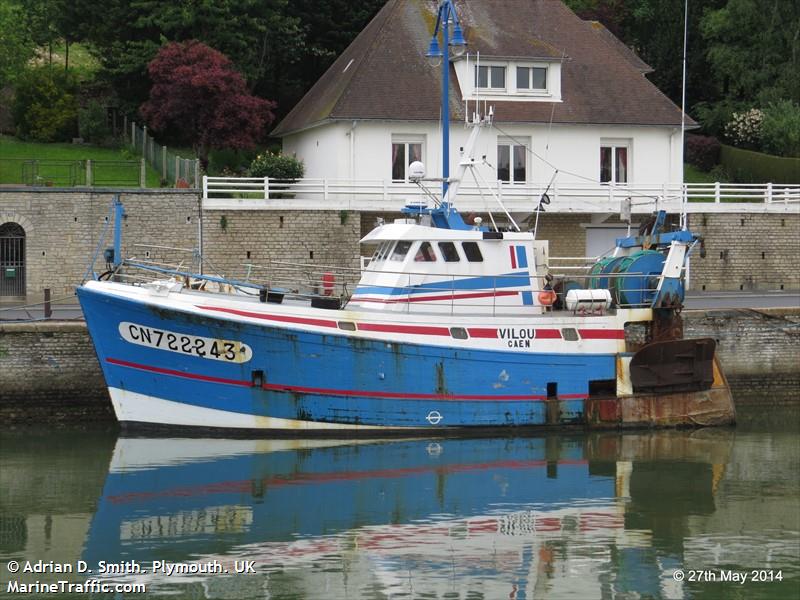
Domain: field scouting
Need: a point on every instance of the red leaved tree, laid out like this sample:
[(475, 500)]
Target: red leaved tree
[(199, 96)]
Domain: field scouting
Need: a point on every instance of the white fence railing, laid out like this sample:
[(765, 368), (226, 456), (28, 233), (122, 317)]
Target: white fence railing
[(383, 195)]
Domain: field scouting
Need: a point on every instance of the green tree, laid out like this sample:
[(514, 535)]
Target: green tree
[(654, 30), (45, 108), (17, 47), (754, 49), (127, 34)]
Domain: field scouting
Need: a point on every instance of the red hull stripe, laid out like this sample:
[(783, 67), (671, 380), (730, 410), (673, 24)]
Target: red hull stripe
[(396, 395), (322, 391), (602, 334), (174, 373), (435, 298), (513, 257), (481, 332), (548, 334), (279, 318), (246, 485)]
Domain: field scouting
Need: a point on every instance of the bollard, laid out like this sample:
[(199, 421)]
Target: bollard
[(48, 311)]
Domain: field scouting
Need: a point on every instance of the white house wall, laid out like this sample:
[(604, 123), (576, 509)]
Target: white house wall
[(324, 150), (655, 153)]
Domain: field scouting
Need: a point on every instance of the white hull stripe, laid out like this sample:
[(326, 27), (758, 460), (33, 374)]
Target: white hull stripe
[(141, 408)]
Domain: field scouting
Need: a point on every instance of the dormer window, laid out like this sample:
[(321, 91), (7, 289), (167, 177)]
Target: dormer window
[(531, 78), (520, 79), (490, 77)]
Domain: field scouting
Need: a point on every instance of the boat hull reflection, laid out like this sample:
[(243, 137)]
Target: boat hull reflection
[(404, 515)]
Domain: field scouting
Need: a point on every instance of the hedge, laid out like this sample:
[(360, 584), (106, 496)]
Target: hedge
[(746, 166)]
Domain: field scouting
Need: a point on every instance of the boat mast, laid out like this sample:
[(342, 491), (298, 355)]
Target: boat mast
[(446, 13)]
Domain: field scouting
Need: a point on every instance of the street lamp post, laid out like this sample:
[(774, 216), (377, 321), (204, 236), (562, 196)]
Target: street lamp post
[(445, 15)]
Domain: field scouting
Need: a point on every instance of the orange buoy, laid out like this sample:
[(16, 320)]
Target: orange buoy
[(546, 297), (328, 283)]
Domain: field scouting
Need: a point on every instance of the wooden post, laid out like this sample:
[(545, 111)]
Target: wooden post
[(164, 163), (48, 312), (196, 173), (133, 134), (89, 171), (144, 140), (142, 173), (177, 169)]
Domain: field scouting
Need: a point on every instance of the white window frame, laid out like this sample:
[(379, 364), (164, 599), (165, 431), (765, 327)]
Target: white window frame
[(532, 91), (523, 142), (490, 88), (615, 144), (405, 140)]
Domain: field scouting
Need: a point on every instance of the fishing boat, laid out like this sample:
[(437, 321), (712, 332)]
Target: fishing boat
[(453, 324)]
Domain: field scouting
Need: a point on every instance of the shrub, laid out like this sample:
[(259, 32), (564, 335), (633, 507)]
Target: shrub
[(746, 166), (780, 133), (276, 166), (744, 128), (93, 123), (45, 109), (702, 151), (714, 116)]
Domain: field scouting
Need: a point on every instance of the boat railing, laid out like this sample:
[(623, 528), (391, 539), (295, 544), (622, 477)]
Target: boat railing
[(421, 291)]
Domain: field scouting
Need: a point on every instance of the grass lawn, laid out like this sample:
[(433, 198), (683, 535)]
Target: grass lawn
[(692, 174), (14, 152)]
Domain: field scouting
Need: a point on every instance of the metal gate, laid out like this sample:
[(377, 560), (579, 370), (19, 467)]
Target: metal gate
[(12, 260)]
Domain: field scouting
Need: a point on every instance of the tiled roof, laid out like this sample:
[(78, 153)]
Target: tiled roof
[(384, 75)]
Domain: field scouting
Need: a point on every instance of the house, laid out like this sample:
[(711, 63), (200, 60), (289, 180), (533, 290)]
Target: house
[(566, 93)]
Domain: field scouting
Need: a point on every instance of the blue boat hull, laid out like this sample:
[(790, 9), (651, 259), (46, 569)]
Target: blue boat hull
[(306, 377)]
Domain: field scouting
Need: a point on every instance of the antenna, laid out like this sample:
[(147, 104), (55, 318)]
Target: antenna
[(466, 97), (683, 111)]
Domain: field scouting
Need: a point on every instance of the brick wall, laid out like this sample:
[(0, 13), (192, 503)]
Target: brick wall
[(49, 373), (63, 229), (747, 252), (759, 350), (318, 238)]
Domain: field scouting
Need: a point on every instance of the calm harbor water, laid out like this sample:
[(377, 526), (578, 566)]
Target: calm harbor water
[(663, 514)]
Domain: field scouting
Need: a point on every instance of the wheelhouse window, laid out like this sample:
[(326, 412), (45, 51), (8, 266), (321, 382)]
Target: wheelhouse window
[(449, 252), (400, 251), (531, 78), (490, 77), (472, 251), (512, 161), (425, 253), (614, 163), (404, 152), (382, 251)]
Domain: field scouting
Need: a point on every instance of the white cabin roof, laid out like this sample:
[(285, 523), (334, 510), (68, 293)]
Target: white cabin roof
[(413, 232)]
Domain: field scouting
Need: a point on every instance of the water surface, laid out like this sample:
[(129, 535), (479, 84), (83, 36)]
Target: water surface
[(662, 514)]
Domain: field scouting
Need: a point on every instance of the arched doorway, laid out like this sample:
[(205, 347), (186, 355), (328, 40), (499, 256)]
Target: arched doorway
[(12, 261)]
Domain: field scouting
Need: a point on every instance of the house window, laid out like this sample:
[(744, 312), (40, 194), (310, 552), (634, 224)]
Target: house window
[(489, 77), (614, 163), (531, 78), (403, 154), (512, 161)]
